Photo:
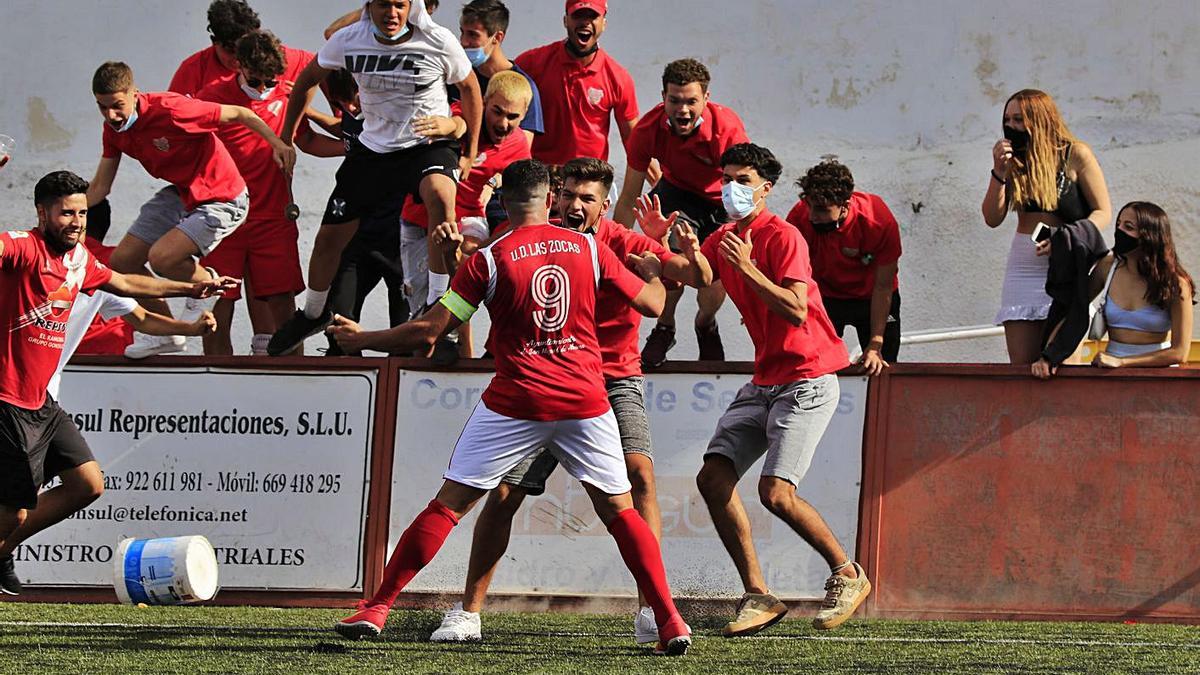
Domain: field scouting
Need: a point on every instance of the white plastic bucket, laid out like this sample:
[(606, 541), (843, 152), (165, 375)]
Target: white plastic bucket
[(166, 571)]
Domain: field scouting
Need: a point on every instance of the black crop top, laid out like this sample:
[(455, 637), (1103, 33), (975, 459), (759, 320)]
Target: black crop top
[(1071, 206)]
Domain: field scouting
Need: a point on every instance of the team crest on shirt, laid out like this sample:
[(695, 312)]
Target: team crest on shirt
[(480, 158), (162, 144), (595, 95), (275, 107)]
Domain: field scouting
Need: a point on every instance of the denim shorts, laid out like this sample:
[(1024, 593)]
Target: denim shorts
[(206, 225), (784, 421), (627, 398)]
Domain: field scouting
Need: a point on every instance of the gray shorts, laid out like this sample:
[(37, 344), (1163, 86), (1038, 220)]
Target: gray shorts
[(785, 421), (206, 225), (627, 398), (414, 260)]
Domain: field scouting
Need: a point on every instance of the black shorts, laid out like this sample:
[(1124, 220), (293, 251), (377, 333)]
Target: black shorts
[(857, 314), (699, 213), (368, 179), (36, 446)]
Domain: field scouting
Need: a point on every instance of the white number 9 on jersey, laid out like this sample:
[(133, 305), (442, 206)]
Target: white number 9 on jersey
[(552, 293)]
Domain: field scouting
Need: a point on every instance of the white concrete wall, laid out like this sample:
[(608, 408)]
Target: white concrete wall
[(909, 95)]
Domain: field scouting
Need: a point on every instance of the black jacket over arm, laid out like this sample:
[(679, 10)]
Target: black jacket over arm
[(1074, 249)]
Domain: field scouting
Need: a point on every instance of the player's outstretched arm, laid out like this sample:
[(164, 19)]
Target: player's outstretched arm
[(692, 267), (348, 19), (653, 297), (472, 112), (141, 286), (631, 190), (151, 323), (300, 98), (418, 334), (285, 154), (101, 185)]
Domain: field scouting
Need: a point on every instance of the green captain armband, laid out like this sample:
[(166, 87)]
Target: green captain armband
[(459, 307)]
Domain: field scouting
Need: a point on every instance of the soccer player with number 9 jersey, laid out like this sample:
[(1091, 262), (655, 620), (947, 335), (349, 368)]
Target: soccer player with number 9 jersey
[(539, 282)]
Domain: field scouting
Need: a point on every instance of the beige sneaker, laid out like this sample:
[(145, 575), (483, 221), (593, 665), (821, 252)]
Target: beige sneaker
[(756, 611), (842, 597)]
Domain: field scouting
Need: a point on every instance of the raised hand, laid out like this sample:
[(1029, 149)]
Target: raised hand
[(648, 214), (737, 250), (646, 265)]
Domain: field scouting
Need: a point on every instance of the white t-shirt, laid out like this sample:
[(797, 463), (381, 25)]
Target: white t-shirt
[(83, 311), (397, 83)]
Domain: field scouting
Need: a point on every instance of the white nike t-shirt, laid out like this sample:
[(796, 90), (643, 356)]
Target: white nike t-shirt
[(397, 83), (83, 311)]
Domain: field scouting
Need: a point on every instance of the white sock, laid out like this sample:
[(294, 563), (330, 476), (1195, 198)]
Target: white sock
[(438, 284), (258, 344), (314, 302)]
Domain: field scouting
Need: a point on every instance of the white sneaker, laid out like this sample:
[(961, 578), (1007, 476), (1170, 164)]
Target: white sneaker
[(149, 345), (458, 626), (193, 308), (645, 630)]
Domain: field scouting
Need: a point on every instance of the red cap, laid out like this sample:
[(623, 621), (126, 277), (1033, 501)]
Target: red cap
[(598, 6)]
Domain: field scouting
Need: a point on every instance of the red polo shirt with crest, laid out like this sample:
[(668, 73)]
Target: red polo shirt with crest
[(691, 162), (578, 101)]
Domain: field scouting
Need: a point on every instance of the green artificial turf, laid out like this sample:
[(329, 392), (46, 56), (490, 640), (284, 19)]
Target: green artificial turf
[(84, 639)]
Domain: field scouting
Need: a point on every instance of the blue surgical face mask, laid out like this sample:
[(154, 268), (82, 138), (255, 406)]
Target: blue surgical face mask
[(399, 36), (129, 120), (738, 199), (476, 55)]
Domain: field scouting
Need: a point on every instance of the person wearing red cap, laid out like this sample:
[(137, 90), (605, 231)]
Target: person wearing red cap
[(582, 88)]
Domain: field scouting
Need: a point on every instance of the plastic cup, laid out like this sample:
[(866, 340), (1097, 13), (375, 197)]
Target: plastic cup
[(7, 145)]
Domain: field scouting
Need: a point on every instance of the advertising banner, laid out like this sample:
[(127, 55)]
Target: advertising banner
[(270, 465), (559, 545)]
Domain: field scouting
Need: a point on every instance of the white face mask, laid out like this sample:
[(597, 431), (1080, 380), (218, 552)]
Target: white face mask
[(738, 199)]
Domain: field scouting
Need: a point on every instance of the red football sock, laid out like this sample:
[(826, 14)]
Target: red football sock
[(417, 546), (643, 557)]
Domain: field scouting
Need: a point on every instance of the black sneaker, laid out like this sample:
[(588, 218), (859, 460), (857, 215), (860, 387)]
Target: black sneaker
[(708, 338), (658, 343), (9, 583), (297, 329)]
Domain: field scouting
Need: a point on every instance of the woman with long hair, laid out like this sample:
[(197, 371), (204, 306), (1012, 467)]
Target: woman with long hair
[(1148, 307), (1047, 176)]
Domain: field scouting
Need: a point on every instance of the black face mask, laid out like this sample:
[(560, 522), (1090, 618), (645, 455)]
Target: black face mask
[(1018, 138), (826, 228), (1124, 243)]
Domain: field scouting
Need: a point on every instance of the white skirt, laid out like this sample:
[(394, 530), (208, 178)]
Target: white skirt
[(1023, 295)]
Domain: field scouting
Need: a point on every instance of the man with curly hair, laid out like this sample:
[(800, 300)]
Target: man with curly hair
[(228, 21), (854, 242), (264, 251), (686, 134), (784, 409)]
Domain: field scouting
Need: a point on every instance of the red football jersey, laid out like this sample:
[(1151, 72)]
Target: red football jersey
[(40, 287), (492, 159), (691, 162), (198, 71), (782, 352), (250, 152), (844, 261), (174, 138), (540, 285), (617, 322), (578, 101)]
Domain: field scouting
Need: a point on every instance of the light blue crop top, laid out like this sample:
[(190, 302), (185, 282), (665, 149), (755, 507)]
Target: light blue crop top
[(1148, 319)]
